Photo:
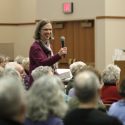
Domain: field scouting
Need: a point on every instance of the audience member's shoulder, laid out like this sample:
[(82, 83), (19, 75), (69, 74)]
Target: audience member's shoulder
[(115, 121), (55, 121), (75, 114), (104, 118), (90, 117)]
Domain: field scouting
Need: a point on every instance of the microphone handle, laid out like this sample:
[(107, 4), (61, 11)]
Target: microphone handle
[(62, 43)]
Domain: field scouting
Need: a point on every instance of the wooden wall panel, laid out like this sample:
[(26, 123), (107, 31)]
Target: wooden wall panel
[(76, 40), (79, 41)]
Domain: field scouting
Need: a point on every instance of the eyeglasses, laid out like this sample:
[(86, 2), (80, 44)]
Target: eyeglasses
[(47, 29)]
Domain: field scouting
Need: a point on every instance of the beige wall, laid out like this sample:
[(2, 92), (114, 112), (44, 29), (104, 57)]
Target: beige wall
[(17, 11), (115, 7), (8, 11), (8, 14), (27, 14), (8, 34), (26, 10), (115, 37), (24, 40), (110, 32), (100, 44), (83, 9)]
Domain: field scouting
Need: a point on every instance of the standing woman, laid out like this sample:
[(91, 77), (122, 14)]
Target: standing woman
[(41, 53)]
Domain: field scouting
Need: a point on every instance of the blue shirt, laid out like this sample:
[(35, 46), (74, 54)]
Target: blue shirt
[(117, 109)]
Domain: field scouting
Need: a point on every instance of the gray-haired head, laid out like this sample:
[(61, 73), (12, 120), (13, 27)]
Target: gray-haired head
[(96, 72), (15, 66), (2, 60), (111, 74), (86, 86), (47, 91), (12, 97), (40, 71), (12, 73), (25, 63), (19, 59), (77, 67), (1, 71)]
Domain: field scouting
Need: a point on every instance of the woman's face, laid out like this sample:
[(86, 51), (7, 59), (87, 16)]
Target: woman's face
[(46, 32)]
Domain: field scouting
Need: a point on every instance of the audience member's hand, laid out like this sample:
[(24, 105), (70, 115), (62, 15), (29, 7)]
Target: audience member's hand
[(63, 51)]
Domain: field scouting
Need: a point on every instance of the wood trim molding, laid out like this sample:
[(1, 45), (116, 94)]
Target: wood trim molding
[(110, 17), (17, 24)]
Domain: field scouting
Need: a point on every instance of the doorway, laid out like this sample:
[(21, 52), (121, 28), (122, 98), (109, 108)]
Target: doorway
[(79, 39)]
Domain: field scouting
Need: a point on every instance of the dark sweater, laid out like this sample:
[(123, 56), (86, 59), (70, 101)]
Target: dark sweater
[(89, 117), (9, 122)]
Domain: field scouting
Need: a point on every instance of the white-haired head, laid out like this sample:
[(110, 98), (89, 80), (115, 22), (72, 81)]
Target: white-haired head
[(76, 67), (40, 71), (12, 98), (12, 73), (111, 74), (47, 91), (15, 66), (19, 59), (25, 64)]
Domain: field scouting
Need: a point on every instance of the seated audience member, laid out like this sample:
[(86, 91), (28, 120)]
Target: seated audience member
[(110, 77), (19, 59), (12, 73), (45, 70), (117, 109), (86, 87), (1, 71), (2, 61), (7, 59), (19, 68), (25, 64), (46, 105), (74, 102), (41, 71), (75, 68), (12, 101)]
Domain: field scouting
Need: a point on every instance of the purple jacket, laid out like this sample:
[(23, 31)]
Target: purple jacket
[(50, 121), (38, 57)]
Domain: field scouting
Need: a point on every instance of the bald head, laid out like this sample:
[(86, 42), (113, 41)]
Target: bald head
[(86, 86)]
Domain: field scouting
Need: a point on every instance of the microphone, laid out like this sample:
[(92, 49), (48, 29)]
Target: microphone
[(62, 40)]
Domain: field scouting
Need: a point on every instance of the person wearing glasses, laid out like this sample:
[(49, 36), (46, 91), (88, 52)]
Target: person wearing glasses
[(40, 53)]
